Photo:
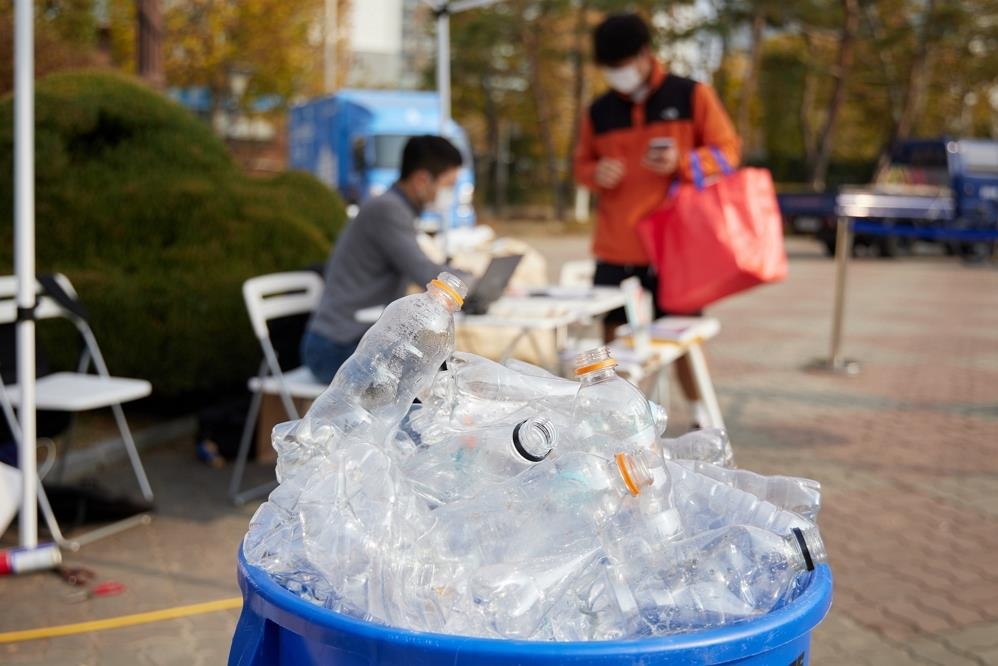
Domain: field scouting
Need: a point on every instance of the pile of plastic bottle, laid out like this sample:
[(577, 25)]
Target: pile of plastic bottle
[(509, 502)]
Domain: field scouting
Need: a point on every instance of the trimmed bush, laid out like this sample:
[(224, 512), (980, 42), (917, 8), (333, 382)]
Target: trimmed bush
[(141, 206)]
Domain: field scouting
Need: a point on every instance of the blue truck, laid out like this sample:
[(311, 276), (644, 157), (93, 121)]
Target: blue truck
[(353, 140), (932, 185)]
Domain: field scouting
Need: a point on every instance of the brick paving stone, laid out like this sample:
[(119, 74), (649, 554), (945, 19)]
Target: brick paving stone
[(978, 638), (933, 651), (839, 641), (988, 657), (960, 612)]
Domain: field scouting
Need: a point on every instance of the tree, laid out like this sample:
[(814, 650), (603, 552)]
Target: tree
[(274, 41), (909, 37), (150, 42), (65, 37), (819, 151)]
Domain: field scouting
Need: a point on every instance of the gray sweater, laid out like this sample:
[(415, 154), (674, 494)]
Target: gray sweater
[(374, 260)]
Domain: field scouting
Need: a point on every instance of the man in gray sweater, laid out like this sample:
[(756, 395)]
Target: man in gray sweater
[(377, 256)]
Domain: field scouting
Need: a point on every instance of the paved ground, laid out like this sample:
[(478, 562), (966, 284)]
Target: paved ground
[(907, 453)]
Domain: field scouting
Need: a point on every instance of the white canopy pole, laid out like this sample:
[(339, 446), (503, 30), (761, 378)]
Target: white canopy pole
[(443, 10), (443, 90), (24, 259), (443, 64)]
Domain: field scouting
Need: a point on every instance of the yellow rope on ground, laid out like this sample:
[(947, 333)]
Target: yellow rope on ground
[(121, 621)]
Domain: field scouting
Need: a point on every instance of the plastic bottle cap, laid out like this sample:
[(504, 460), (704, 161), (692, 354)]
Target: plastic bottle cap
[(449, 290), (598, 365)]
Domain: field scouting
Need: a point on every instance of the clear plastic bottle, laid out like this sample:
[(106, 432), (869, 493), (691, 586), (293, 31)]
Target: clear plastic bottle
[(556, 505), (796, 494), (710, 445), (397, 358), (660, 416), (712, 579), (706, 504), (431, 426), (463, 464), (609, 413), (475, 392)]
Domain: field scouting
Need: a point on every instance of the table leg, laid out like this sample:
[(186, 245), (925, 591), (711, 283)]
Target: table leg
[(704, 385)]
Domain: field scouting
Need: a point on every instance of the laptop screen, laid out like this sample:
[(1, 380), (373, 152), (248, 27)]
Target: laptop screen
[(488, 288)]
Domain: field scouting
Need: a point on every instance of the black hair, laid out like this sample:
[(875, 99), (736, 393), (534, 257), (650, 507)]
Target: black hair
[(428, 151), (619, 37)]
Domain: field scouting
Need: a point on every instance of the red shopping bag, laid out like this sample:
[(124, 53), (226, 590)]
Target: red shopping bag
[(710, 241)]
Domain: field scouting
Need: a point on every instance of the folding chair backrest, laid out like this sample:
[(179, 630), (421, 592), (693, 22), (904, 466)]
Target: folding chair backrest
[(280, 295), (47, 306), (52, 305)]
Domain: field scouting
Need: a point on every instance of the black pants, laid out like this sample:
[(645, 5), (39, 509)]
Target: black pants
[(613, 274)]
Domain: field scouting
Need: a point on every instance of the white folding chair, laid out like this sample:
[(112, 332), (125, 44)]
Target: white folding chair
[(270, 297), (74, 391)]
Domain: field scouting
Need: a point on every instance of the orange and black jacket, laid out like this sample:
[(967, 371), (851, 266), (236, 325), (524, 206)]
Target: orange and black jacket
[(685, 110)]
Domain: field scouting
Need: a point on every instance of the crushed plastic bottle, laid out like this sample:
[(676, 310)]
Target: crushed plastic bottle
[(475, 392), (718, 577), (396, 359), (709, 445), (567, 496), (609, 413), (357, 514), (796, 494), (463, 464), (526, 541), (706, 504)]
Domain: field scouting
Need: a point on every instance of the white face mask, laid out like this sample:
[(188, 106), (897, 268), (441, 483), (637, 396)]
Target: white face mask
[(444, 199), (625, 80)]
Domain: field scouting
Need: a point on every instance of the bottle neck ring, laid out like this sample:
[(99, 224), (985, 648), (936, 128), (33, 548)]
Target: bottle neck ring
[(625, 474), (449, 290), (593, 367), (805, 551), (518, 437)]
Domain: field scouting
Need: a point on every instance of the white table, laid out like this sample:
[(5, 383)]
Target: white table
[(556, 308), (535, 310)]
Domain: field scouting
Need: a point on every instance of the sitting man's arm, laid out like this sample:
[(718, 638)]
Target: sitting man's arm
[(401, 248)]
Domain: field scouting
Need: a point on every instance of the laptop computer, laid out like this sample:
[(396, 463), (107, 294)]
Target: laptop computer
[(487, 289)]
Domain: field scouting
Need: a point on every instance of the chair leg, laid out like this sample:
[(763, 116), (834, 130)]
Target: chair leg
[(133, 453), (50, 521), (238, 496), (76, 542)]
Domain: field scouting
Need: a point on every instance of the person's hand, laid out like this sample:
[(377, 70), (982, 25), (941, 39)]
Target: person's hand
[(664, 161), (609, 172)]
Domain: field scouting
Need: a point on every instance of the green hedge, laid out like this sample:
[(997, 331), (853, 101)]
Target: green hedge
[(142, 207)]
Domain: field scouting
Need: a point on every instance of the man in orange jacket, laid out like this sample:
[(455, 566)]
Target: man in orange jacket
[(635, 140)]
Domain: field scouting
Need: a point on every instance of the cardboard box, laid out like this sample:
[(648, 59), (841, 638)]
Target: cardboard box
[(272, 412)]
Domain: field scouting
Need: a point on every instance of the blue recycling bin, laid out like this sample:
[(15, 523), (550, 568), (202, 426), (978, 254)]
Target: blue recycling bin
[(278, 628)]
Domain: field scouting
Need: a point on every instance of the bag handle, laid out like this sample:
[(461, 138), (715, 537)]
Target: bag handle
[(697, 167)]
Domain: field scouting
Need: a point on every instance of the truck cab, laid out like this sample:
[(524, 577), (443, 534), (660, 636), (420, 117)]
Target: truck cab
[(353, 141), (974, 165), (930, 183)]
